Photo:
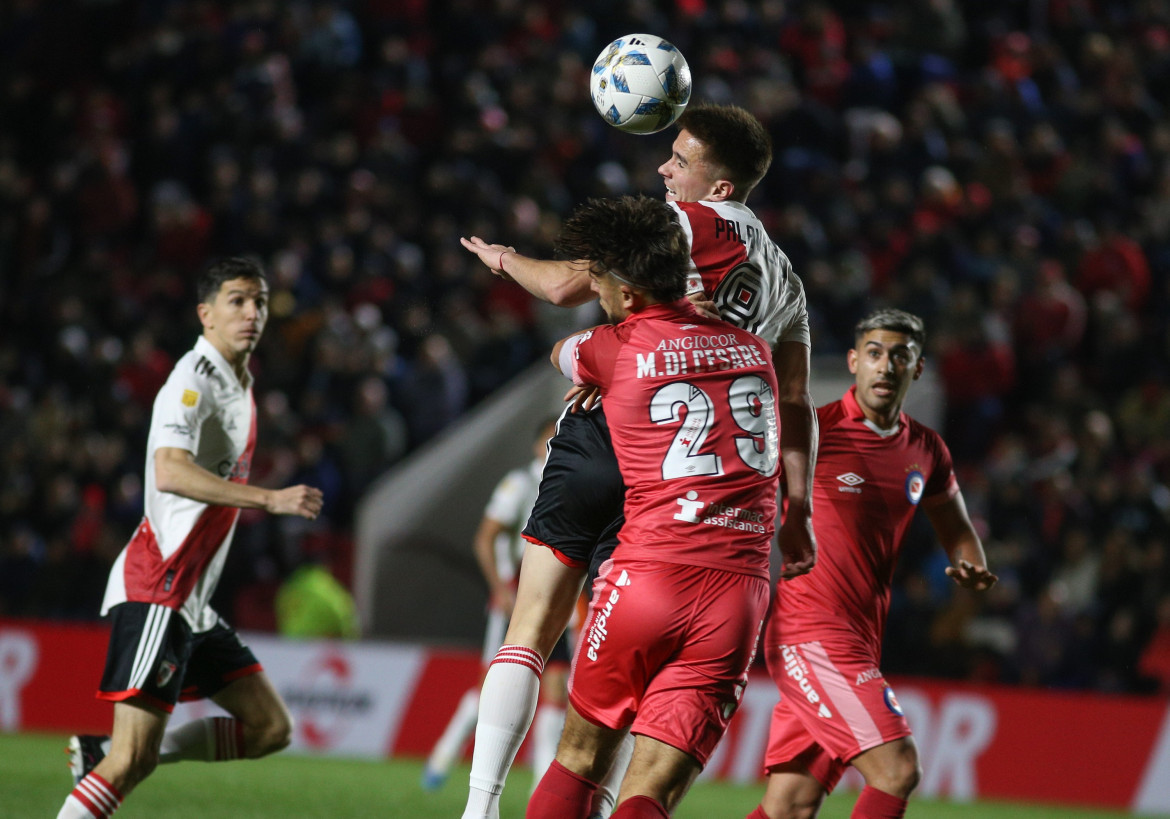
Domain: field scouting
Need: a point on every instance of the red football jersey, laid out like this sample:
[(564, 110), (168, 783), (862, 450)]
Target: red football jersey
[(691, 404), (866, 488)]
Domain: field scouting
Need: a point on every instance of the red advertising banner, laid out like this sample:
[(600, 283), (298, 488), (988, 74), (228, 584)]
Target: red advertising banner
[(48, 673), (375, 699)]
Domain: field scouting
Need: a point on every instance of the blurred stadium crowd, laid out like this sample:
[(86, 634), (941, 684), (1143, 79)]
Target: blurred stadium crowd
[(1001, 168)]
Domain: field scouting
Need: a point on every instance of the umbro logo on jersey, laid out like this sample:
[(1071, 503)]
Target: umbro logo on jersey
[(852, 482), (623, 579)]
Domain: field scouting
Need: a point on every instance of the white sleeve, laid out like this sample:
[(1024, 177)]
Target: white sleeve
[(794, 315), (506, 501), (568, 356), (180, 408)]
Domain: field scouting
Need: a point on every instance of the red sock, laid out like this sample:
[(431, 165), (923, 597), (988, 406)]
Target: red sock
[(875, 804), (640, 807), (561, 794), (758, 813)]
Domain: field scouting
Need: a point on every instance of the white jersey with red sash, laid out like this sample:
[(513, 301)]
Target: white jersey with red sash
[(177, 553), (746, 274)]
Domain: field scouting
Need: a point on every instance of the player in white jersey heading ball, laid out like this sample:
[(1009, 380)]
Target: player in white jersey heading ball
[(166, 642), (718, 157)]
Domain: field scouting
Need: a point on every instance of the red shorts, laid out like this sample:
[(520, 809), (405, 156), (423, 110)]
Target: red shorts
[(666, 650), (834, 704)]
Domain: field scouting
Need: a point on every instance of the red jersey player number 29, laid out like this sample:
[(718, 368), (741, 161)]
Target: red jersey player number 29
[(751, 405)]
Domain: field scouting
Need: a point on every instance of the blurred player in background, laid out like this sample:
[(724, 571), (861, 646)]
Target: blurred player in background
[(165, 639), (677, 610), (498, 549), (876, 466), (735, 270)]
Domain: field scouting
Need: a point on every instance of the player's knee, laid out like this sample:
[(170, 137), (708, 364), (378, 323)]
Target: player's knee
[(901, 777), (273, 735), (909, 775)]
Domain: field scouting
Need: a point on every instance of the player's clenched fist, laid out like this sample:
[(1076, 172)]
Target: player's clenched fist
[(305, 501)]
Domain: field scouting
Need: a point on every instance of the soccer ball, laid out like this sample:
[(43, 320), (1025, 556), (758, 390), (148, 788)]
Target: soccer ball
[(640, 83)]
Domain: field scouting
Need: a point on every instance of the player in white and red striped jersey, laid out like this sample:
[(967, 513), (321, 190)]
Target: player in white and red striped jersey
[(736, 272), (677, 610), (166, 642), (876, 466)]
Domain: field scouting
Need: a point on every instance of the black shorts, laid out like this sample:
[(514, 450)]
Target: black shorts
[(578, 509), (562, 652), (154, 656)]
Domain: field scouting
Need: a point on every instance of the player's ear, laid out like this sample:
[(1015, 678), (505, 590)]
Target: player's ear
[(851, 359), (722, 190), (919, 367), (203, 310)]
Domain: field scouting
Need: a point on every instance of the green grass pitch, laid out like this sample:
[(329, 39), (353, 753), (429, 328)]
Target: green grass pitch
[(34, 780)]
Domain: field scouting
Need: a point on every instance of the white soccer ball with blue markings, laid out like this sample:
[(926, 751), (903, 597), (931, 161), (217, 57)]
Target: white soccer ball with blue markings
[(640, 83)]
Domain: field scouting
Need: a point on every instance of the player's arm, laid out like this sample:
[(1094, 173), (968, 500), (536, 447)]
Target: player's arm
[(798, 450), (961, 542), (176, 472), (484, 546), (563, 283)]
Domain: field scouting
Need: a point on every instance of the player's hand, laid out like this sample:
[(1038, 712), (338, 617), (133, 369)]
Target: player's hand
[(489, 254), (583, 397), (704, 305), (970, 576), (302, 501), (798, 547)]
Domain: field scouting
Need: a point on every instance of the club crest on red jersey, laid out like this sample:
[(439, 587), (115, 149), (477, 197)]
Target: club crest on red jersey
[(892, 702), (915, 485)]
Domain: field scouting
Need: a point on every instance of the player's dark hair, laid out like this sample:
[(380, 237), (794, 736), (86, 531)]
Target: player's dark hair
[(224, 270), (896, 321), (737, 143), (636, 238)]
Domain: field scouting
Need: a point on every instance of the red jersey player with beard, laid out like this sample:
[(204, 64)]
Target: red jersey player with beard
[(677, 610), (876, 466)]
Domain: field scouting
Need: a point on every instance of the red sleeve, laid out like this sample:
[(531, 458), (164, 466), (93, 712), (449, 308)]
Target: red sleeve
[(596, 355), (942, 484)]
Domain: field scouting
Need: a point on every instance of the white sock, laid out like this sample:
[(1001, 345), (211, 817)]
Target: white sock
[(605, 797), (93, 798), (455, 735), (507, 703), (546, 733), (211, 739), (73, 809)]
